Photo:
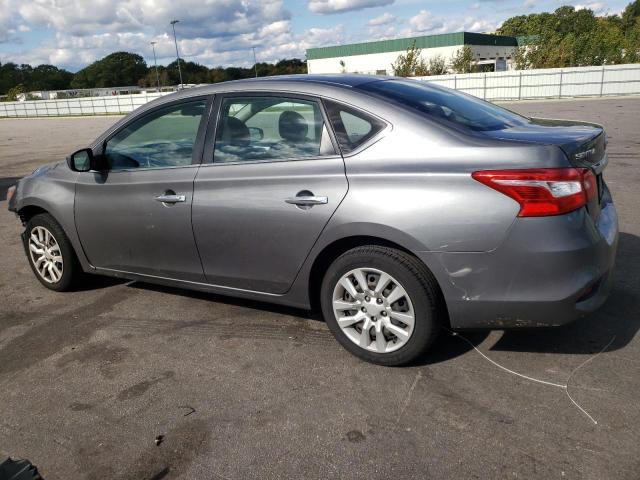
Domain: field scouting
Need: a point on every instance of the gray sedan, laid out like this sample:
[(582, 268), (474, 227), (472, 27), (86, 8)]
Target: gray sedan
[(396, 207)]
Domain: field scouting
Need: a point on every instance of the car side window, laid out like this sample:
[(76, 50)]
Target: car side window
[(270, 128), (161, 139), (352, 127)]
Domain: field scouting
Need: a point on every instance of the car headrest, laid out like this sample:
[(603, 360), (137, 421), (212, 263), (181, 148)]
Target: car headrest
[(235, 132), (292, 126)]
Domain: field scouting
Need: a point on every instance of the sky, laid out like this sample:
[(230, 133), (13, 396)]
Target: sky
[(73, 33)]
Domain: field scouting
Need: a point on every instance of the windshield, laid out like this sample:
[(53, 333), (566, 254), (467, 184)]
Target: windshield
[(447, 104)]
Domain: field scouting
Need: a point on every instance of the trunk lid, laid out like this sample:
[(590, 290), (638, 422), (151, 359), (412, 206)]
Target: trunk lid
[(583, 143)]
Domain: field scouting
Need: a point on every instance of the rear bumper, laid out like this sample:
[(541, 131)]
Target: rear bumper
[(549, 271)]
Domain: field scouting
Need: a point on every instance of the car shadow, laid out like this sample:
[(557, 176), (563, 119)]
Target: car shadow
[(618, 321), (613, 326), (96, 282), (239, 302)]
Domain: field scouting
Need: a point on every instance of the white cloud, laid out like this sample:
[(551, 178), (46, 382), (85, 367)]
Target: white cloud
[(337, 6), (598, 8), (426, 23), (7, 20), (384, 19), (213, 32), (273, 40), (198, 18)]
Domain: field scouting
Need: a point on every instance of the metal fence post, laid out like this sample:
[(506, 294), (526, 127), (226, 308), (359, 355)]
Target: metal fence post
[(484, 86), (560, 89), (520, 86), (602, 80), (455, 82)]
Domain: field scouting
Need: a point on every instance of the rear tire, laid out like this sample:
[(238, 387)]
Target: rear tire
[(50, 253), (394, 318)]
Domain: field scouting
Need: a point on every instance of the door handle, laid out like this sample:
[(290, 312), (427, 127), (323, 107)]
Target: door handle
[(307, 200), (171, 198)]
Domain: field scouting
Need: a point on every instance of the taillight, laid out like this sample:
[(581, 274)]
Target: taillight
[(543, 191)]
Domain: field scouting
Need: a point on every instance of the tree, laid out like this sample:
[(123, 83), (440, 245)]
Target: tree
[(12, 94), (520, 58), (437, 65), (42, 77), (570, 37), (150, 80), (48, 77), (115, 70), (462, 61), (629, 17), (410, 64)]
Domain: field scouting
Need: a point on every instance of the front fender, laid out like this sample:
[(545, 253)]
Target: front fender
[(53, 191)]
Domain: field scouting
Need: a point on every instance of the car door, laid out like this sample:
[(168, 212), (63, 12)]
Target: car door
[(135, 215), (270, 181)]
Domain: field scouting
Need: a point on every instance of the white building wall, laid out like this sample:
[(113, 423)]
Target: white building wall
[(380, 63)]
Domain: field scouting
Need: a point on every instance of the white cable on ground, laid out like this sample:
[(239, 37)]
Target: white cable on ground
[(564, 386)]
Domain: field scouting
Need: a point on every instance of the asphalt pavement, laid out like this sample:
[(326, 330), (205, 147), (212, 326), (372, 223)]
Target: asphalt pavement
[(125, 380)]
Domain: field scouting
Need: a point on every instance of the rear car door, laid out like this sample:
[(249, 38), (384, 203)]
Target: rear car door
[(270, 181), (135, 216)]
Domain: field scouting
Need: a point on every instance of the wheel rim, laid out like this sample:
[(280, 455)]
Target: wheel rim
[(373, 310), (46, 255)]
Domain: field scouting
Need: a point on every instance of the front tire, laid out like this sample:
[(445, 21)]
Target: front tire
[(50, 253), (381, 304)]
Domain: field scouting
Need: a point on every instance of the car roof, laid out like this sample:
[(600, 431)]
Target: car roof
[(301, 83), (342, 80)]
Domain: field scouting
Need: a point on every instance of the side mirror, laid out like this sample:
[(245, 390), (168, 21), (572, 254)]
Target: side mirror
[(81, 161)]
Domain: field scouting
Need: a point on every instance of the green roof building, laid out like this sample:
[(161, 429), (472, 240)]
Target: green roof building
[(495, 51)]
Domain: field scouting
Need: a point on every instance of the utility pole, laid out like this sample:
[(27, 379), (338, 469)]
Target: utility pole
[(255, 63), (173, 24), (155, 62)]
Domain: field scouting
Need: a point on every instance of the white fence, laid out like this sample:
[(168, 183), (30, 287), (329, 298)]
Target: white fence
[(509, 85), (117, 104), (546, 83)]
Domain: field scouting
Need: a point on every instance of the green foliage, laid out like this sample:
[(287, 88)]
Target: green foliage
[(123, 69), (437, 65), (12, 94), (629, 17), (117, 69), (462, 61), (42, 77), (410, 64), (570, 37)]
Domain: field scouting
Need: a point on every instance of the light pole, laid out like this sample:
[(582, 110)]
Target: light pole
[(255, 63), (173, 24), (155, 62)]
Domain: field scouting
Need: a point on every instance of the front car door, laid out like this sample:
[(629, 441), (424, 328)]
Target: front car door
[(271, 184), (135, 216)]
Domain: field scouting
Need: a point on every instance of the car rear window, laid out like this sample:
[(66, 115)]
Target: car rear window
[(352, 127), (443, 103)]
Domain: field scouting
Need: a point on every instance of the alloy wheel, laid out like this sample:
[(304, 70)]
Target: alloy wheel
[(46, 254), (373, 310)]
